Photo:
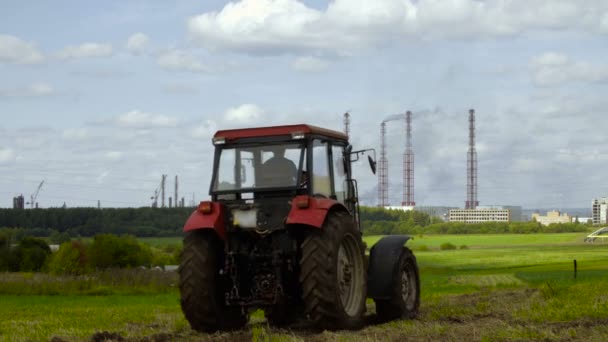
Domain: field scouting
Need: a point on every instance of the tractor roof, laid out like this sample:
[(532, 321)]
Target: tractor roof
[(260, 132)]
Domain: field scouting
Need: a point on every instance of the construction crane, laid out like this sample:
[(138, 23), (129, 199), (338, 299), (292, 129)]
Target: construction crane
[(34, 196), (159, 191)]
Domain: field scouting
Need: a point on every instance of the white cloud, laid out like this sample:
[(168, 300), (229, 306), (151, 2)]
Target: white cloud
[(85, 50), (137, 119), (244, 114), (205, 130), (7, 155), (75, 134), (38, 89), (16, 51), (178, 60), (551, 69), (310, 64), (137, 43), (280, 26)]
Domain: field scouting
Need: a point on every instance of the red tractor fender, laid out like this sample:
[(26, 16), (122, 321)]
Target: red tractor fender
[(208, 215), (311, 211)]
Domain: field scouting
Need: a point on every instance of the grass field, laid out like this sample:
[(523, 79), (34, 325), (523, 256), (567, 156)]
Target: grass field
[(502, 288)]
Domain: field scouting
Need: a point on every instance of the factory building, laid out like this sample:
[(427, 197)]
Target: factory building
[(552, 217), (18, 202), (480, 215)]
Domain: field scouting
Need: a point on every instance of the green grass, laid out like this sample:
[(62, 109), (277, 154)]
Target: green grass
[(161, 241), (39, 318), (489, 240), (502, 288)]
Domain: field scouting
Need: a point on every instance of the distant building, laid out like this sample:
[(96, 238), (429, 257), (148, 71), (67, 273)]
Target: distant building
[(480, 215), (436, 211), (552, 217), (515, 211), (599, 210), (18, 202), (583, 220)]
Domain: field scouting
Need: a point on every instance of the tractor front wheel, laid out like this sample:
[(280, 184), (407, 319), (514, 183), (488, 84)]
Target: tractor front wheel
[(405, 290), (201, 287), (333, 274)]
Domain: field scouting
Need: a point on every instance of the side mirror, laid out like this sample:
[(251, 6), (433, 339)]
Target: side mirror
[(372, 164)]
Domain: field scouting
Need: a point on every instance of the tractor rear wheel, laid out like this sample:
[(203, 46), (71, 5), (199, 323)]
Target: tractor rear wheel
[(405, 290), (333, 274), (200, 285)]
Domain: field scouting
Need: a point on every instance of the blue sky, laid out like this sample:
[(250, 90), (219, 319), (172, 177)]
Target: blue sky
[(99, 99)]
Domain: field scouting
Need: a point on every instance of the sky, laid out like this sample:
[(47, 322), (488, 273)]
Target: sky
[(100, 99)]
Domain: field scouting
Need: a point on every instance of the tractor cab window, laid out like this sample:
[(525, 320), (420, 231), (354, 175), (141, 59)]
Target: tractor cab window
[(320, 174), (337, 153), (255, 167)]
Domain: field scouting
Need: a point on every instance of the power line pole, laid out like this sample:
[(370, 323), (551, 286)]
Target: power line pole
[(347, 124)]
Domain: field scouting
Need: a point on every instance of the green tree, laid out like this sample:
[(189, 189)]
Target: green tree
[(109, 251), (71, 258), (30, 255), (5, 244), (58, 238)]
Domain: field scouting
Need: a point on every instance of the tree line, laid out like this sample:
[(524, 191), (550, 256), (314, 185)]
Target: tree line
[(61, 224), (105, 251), (74, 222)]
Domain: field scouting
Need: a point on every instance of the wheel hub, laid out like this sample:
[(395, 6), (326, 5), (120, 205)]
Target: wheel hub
[(350, 275), (344, 274)]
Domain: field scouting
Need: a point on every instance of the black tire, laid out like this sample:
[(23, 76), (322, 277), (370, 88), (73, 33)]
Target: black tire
[(333, 274), (405, 291), (201, 287)]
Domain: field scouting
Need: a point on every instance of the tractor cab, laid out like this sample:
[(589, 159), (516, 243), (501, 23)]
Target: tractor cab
[(269, 167)]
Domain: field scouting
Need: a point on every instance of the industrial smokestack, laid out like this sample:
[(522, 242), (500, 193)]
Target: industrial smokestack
[(176, 197), (408, 164), (471, 202), (383, 169)]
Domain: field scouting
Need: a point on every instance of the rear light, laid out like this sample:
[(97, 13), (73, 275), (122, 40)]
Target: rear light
[(205, 207), (302, 202)]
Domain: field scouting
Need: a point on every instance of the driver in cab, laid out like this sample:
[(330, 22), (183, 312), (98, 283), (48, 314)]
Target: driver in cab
[(278, 170)]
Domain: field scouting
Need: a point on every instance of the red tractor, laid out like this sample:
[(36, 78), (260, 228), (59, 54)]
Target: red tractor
[(282, 233)]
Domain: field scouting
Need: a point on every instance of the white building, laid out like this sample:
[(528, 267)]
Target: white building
[(599, 210), (480, 215), (552, 217)]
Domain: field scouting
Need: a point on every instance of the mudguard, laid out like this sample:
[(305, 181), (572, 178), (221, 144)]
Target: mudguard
[(214, 220), (312, 213), (383, 259)]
